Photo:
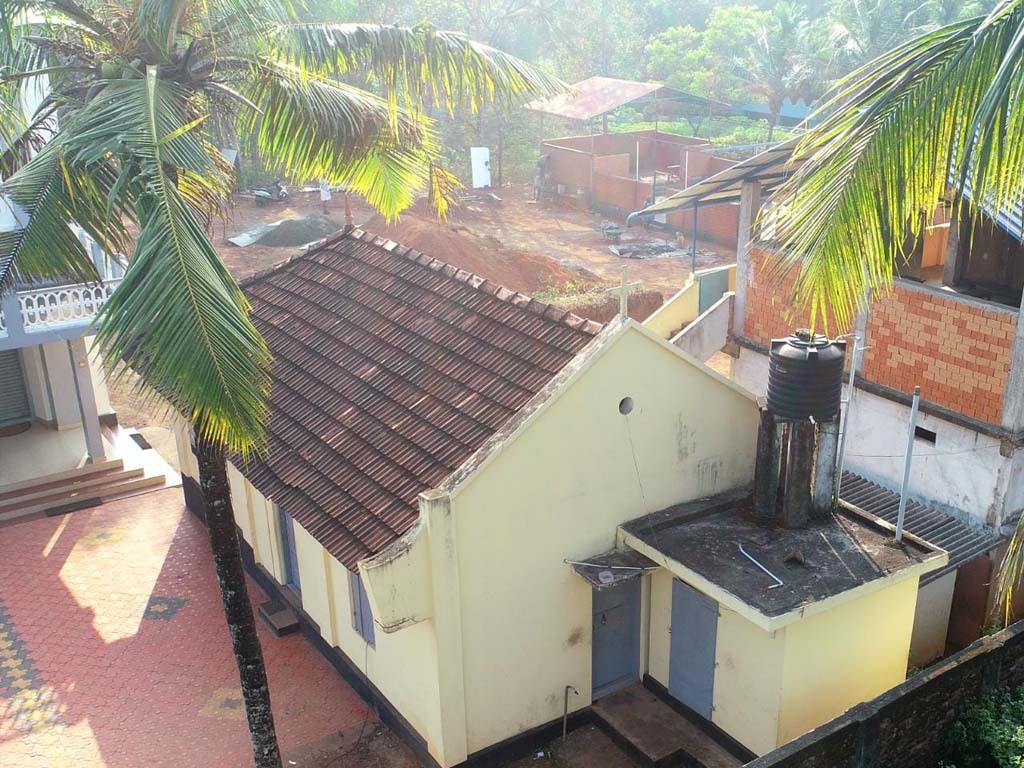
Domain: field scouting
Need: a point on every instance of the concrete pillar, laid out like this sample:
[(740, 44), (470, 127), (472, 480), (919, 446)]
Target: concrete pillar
[(750, 205), (436, 510), (1012, 417), (823, 491), (796, 502), (953, 266), (82, 376), (60, 383), (766, 469)]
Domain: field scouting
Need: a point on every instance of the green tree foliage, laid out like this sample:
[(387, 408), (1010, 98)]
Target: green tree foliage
[(705, 61), (781, 64), (990, 734), (146, 92)]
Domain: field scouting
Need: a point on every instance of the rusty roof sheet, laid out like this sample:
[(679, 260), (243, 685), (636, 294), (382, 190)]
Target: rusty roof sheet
[(771, 167), (390, 369), (597, 96)]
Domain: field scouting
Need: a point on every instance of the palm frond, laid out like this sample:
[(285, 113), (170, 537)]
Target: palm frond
[(443, 193), (311, 127), (943, 108), (159, 22), (48, 198), (423, 64), (1008, 579), (178, 317)]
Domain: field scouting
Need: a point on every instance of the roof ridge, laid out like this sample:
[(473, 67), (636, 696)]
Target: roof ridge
[(471, 279), (482, 284), (303, 252)]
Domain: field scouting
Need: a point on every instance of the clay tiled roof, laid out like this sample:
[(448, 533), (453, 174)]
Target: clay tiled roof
[(390, 369)]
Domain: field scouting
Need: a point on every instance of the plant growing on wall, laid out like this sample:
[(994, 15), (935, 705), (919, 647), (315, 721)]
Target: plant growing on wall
[(990, 733)]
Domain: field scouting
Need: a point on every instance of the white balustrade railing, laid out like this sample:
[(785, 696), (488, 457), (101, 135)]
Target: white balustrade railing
[(51, 307)]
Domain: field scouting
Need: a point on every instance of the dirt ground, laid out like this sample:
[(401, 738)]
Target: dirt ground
[(526, 246), (556, 253), (369, 745)]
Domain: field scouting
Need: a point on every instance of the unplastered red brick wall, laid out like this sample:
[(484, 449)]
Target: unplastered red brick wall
[(569, 167), (612, 165), (625, 195), (771, 313), (715, 223), (958, 352)]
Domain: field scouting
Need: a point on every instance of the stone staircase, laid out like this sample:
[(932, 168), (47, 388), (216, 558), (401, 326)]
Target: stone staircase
[(84, 486), (657, 736)]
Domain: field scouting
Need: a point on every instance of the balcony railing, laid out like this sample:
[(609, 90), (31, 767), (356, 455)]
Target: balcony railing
[(36, 314), (31, 316), (54, 307)]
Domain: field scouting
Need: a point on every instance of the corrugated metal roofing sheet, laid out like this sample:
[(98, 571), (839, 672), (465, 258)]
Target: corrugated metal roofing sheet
[(961, 540), (770, 167), (390, 369), (597, 96)]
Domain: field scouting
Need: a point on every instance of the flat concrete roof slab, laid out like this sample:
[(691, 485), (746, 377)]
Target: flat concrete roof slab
[(825, 559)]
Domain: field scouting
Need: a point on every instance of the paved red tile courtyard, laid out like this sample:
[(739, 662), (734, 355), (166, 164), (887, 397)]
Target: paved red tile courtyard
[(114, 651)]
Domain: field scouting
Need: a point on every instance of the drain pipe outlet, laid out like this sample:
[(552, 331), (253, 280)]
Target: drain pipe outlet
[(565, 708)]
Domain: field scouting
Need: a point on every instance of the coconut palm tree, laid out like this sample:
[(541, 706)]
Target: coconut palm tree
[(141, 93), (780, 64), (941, 111)]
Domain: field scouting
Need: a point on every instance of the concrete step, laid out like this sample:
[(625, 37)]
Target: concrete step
[(656, 735), (81, 486), (76, 495), (60, 479)]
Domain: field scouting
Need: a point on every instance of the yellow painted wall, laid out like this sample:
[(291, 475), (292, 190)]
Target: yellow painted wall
[(316, 587), (256, 516), (844, 656), (679, 310), (771, 687), (748, 681), (187, 463), (931, 620), (402, 666), (661, 619), (559, 490), (241, 503)]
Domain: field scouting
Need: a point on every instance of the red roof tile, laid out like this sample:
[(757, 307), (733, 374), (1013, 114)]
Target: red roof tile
[(390, 369)]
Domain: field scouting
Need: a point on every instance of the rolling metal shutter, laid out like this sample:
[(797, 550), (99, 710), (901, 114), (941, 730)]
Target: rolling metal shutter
[(14, 405)]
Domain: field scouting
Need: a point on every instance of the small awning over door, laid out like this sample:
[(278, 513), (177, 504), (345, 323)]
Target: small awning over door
[(609, 569), (14, 403)]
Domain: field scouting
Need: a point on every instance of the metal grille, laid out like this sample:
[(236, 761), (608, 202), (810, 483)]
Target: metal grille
[(14, 404)]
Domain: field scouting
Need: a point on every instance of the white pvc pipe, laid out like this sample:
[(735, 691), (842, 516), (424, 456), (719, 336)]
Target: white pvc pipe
[(906, 464), (847, 412)]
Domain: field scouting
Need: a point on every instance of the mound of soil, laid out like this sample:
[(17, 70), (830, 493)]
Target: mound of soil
[(294, 232), (484, 255), (601, 309)]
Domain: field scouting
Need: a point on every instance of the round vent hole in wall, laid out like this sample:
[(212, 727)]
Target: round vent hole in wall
[(626, 406)]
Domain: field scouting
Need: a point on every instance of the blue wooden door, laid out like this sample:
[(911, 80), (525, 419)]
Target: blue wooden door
[(691, 666), (616, 637), (288, 551)]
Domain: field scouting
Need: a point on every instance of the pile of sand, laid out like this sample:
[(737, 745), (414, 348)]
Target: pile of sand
[(483, 255), (295, 232)]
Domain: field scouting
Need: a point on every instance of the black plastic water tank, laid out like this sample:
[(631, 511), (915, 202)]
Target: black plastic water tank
[(805, 376)]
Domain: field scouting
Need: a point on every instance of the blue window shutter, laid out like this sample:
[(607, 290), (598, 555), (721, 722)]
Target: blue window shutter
[(362, 616)]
